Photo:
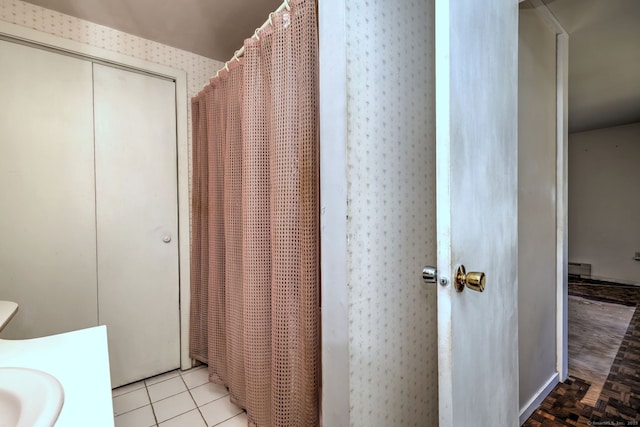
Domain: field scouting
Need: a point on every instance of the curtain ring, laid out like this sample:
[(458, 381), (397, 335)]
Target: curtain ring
[(255, 34), (286, 4), (226, 66), (235, 55), (270, 21)]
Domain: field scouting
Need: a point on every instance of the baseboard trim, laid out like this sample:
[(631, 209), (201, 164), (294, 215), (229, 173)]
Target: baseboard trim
[(615, 281), (533, 403)]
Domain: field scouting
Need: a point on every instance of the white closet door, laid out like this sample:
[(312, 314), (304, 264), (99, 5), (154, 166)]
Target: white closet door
[(47, 221), (137, 217)]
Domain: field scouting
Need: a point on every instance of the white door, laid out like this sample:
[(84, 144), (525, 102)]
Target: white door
[(47, 218), (137, 214), (476, 156)]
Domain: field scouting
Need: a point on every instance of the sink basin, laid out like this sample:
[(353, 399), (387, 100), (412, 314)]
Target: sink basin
[(29, 398)]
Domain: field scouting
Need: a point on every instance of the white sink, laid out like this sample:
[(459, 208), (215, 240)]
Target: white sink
[(29, 398)]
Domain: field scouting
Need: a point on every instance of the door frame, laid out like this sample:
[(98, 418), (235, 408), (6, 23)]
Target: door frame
[(562, 239), (562, 192), (562, 155), (19, 34), (334, 399)]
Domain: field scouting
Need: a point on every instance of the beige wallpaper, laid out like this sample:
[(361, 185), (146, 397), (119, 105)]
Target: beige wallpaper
[(198, 68), (391, 209)]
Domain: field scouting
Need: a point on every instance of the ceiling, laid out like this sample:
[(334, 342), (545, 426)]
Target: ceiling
[(211, 28), (604, 42), (604, 61)]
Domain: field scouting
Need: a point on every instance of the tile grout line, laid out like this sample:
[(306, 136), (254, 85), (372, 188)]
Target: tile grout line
[(133, 409), (189, 390), (153, 410), (194, 400), (146, 387), (224, 421), (227, 396), (168, 397)]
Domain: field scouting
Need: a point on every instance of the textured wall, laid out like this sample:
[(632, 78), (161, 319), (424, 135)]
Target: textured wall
[(198, 68), (391, 209), (604, 206)]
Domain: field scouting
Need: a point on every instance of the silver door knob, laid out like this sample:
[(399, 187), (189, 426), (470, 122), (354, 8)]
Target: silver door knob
[(429, 274), (166, 238)]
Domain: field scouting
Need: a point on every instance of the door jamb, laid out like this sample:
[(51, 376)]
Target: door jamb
[(562, 191), (562, 155), (334, 399), (562, 178)]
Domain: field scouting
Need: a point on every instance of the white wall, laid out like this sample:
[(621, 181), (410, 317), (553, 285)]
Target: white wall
[(391, 213), (536, 205), (604, 207)]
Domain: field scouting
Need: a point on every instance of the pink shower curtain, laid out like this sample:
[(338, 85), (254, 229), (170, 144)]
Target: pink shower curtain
[(255, 234)]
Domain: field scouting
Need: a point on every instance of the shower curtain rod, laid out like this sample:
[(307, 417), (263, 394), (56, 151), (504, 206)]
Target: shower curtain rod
[(238, 53)]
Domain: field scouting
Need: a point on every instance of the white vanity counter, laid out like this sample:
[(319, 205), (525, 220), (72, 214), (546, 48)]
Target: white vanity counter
[(80, 361)]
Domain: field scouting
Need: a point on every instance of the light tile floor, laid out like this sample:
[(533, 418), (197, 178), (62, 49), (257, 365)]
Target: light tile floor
[(176, 399)]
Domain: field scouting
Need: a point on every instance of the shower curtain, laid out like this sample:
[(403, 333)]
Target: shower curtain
[(255, 224)]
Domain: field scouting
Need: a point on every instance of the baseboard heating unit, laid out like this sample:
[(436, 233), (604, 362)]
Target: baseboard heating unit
[(579, 269)]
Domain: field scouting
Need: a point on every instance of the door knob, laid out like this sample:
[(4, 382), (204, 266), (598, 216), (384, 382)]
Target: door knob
[(429, 274), (472, 280)]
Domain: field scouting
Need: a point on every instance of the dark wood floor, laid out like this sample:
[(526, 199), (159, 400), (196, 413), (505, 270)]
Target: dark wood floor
[(619, 402)]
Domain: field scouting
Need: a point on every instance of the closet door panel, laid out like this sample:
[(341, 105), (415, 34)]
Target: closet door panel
[(47, 224), (136, 188)]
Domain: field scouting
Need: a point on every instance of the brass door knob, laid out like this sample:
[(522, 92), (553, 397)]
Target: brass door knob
[(473, 280)]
